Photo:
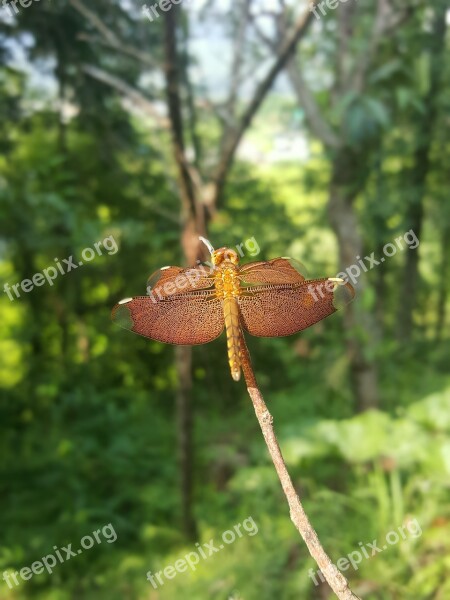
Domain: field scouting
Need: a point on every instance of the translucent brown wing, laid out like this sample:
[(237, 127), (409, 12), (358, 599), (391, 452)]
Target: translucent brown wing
[(175, 280), (279, 310), (194, 318), (277, 270)]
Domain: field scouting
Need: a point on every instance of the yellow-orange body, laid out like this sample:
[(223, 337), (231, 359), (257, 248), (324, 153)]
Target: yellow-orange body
[(228, 288)]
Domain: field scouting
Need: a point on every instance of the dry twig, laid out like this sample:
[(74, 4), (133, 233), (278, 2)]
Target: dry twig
[(334, 577)]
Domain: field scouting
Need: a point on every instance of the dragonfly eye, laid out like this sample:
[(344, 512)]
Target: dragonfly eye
[(232, 256), (216, 257)]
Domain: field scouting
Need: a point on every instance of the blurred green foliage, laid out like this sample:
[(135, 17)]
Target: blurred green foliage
[(87, 411)]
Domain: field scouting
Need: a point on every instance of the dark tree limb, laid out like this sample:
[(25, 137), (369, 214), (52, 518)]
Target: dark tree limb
[(194, 214), (193, 225)]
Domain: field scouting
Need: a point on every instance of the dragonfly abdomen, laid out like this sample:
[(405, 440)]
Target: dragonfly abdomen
[(232, 327)]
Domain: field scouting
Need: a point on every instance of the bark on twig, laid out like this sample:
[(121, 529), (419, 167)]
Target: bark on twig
[(334, 577)]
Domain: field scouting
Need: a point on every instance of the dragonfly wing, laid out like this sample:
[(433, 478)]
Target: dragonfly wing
[(277, 270), (279, 310), (186, 319), (175, 280)]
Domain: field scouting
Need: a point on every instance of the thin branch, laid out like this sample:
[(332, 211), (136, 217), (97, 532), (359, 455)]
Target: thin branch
[(386, 20), (95, 20), (238, 51), (268, 41), (162, 212), (304, 95), (147, 107), (334, 577), (172, 77), (306, 100), (125, 49), (344, 65), (190, 97), (127, 90), (230, 122), (285, 52), (218, 112)]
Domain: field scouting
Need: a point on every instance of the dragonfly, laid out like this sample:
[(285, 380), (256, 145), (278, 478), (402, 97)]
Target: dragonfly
[(264, 298)]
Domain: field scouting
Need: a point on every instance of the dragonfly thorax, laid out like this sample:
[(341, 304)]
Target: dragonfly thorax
[(227, 282)]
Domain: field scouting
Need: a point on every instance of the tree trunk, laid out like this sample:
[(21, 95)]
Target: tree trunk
[(183, 362), (418, 175), (191, 218), (444, 273), (360, 325)]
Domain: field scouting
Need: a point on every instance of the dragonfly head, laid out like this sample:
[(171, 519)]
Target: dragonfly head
[(224, 255)]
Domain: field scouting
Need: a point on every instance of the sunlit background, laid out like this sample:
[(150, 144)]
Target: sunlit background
[(321, 135)]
